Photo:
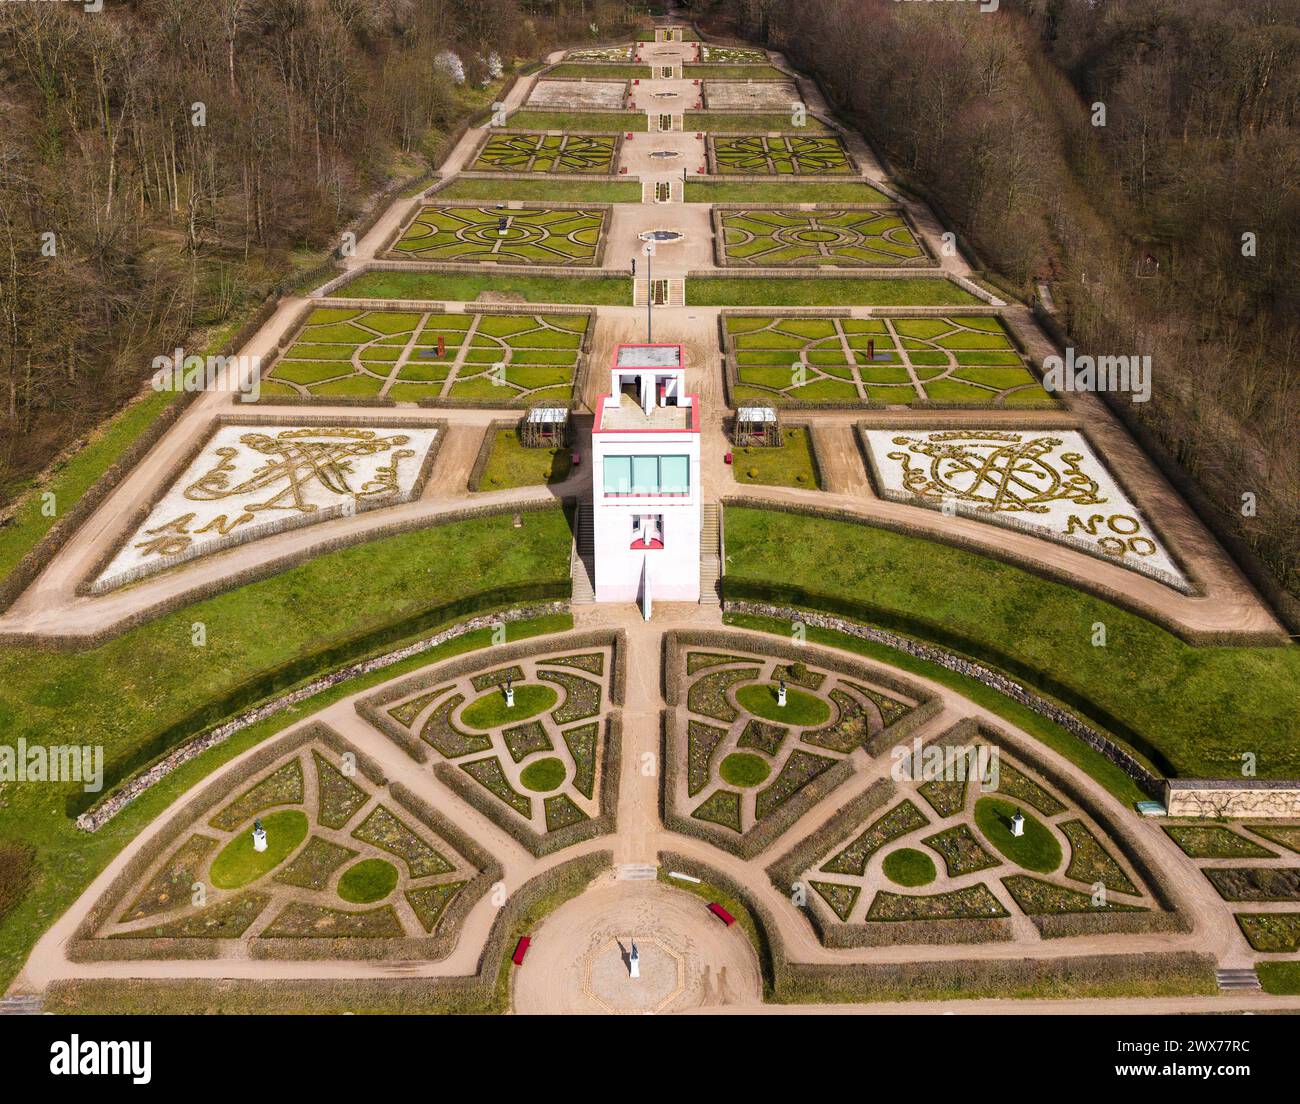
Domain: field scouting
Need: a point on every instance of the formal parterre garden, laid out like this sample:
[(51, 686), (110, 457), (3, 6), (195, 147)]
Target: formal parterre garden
[(762, 237), (548, 153), (340, 860), (732, 55), (944, 848), (741, 755), (420, 356), (551, 236), (962, 360), (787, 155), (1249, 864), (524, 741)]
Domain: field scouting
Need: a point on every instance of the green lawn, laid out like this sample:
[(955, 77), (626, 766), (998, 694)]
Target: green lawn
[(733, 72), (734, 123), (68, 859), (597, 71), (909, 867), (740, 191), (579, 122), (1192, 710), (541, 191), (1036, 850), (613, 291), (743, 768), (368, 881), (791, 465), (238, 864), (543, 775), (791, 291), (491, 711), (1279, 978), (800, 708), (509, 464)]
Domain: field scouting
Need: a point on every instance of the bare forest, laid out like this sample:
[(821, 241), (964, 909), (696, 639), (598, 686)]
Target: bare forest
[(1143, 155), (164, 165)]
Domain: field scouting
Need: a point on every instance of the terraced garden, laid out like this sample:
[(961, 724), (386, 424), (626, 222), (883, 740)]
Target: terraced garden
[(334, 838), (963, 360), (764, 155), (760, 237), (426, 356), (548, 153), (549, 236), (528, 742)]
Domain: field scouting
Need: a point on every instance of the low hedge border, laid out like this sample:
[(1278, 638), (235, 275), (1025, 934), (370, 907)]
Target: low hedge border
[(764, 833), (274, 566), (485, 991), (90, 583), (539, 844), (129, 782), (1058, 714), (485, 450), (371, 707), (801, 982)]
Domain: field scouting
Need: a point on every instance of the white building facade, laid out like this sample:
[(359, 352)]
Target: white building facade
[(646, 493)]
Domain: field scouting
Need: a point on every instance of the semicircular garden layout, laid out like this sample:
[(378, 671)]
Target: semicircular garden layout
[(756, 735), (967, 838), (345, 865), (517, 235), (531, 742), (432, 357)]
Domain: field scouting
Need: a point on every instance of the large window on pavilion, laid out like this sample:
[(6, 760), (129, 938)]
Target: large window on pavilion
[(647, 475)]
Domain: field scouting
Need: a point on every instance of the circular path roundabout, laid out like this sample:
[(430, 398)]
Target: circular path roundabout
[(688, 958)]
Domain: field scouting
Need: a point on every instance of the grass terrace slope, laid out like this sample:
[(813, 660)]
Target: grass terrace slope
[(540, 191), (1183, 707), (727, 191), (612, 291)]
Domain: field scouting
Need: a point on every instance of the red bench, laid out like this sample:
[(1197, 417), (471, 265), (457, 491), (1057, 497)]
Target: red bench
[(521, 949), (721, 913)]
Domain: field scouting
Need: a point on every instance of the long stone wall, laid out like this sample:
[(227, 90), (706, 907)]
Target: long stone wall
[(1201, 797)]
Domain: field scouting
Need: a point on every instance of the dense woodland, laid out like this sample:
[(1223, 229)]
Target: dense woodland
[(990, 115), (165, 232)]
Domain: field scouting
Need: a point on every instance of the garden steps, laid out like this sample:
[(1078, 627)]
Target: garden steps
[(1237, 979), (710, 567), (637, 872), (27, 1005), (582, 558)]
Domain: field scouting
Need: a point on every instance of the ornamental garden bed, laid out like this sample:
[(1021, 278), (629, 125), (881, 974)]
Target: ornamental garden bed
[(545, 767), (431, 358), (741, 766), (517, 235), (936, 860), (351, 867)]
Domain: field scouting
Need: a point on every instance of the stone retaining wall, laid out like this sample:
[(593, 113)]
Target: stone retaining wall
[(1201, 797)]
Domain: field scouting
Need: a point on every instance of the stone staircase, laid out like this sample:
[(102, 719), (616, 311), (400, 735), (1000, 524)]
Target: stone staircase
[(582, 559), (671, 295), (29, 1005), (649, 194), (1237, 979), (710, 563), (637, 872)]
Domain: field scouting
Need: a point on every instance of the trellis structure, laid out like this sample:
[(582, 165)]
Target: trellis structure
[(758, 426), (545, 427)]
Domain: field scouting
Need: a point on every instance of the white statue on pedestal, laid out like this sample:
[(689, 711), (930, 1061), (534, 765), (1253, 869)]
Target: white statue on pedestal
[(259, 836), (634, 962), (510, 695), (1018, 824), (780, 694)]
